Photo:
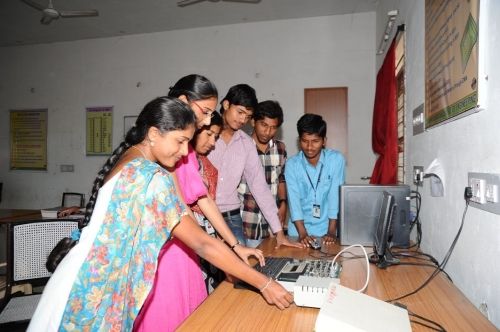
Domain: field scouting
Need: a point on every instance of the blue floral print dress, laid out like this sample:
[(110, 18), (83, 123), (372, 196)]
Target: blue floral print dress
[(120, 268)]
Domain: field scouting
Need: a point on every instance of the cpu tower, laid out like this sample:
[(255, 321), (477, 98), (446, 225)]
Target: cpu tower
[(360, 208)]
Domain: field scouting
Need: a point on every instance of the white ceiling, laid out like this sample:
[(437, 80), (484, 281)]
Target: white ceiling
[(20, 23)]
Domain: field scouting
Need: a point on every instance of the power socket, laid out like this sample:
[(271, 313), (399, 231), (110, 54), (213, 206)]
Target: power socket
[(485, 191), (418, 175)]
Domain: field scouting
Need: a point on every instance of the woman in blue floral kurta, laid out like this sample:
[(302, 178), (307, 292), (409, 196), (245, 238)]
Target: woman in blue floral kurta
[(116, 277)]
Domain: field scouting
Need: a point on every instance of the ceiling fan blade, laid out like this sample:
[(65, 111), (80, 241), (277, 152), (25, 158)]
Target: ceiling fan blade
[(243, 1), (47, 19), (33, 4), (78, 13), (184, 3)]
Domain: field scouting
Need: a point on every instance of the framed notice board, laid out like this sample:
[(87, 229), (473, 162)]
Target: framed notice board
[(451, 59), (99, 140), (28, 139)]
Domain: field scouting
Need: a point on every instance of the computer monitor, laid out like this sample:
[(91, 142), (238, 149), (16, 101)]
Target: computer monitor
[(359, 211), (382, 255)]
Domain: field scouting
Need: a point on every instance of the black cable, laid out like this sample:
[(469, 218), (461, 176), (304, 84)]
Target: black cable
[(425, 325), (415, 264), (416, 221), (411, 313), (417, 256), (439, 326), (432, 259), (444, 262), (417, 253)]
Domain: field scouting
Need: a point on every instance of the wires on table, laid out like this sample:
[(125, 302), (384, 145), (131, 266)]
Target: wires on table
[(430, 324), (367, 264), (441, 266)]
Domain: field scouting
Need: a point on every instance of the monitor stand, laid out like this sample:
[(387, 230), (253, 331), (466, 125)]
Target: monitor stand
[(384, 261)]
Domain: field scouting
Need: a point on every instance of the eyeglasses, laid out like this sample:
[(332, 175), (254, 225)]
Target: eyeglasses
[(206, 111)]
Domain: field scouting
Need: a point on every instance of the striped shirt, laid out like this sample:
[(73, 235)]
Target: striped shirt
[(273, 160)]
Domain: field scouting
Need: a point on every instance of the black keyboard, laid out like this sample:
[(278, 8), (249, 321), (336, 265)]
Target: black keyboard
[(273, 266), (277, 268)]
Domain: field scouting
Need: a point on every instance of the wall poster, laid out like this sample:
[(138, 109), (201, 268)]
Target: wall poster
[(451, 59), (28, 139), (99, 130)]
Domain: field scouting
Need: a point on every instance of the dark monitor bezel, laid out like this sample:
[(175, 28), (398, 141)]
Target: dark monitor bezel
[(382, 233)]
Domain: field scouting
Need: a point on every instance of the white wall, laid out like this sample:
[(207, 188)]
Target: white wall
[(278, 58), (467, 145)]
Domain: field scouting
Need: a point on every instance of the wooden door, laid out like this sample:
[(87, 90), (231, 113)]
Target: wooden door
[(331, 104)]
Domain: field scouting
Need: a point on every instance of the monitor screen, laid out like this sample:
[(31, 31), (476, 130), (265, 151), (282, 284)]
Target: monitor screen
[(359, 210)]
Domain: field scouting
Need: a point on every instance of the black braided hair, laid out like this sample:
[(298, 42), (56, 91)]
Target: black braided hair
[(164, 113), (194, 87)]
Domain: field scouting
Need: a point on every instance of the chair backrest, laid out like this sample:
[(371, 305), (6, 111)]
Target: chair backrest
[(32, 243), (73, 199)]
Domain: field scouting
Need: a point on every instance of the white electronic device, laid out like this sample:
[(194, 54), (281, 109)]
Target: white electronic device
[(311, 291), (349, 311)]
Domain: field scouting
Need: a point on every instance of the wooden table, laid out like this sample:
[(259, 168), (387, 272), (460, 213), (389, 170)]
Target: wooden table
[(9, 216), (229, 309), (17, 215)]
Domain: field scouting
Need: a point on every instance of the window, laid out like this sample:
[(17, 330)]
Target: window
[(400, 102)]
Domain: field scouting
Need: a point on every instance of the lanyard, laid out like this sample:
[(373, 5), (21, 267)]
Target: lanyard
[(317, 183)]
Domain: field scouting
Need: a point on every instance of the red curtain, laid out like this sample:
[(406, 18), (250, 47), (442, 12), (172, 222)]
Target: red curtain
[(385, 123)]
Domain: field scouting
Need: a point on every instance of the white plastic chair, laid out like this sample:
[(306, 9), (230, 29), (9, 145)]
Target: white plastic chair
[(29, 244)]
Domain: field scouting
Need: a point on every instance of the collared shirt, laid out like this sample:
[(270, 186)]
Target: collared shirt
[(273, 160), (304, 190), (238, 160)]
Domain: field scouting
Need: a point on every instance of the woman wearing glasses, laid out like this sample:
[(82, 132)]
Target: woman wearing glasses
[(162, 309)]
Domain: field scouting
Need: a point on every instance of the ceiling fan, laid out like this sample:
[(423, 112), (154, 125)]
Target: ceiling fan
[(49, 13), (184, 3)]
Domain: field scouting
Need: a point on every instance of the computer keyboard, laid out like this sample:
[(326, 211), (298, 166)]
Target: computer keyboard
[(273, 266), (287, 271)]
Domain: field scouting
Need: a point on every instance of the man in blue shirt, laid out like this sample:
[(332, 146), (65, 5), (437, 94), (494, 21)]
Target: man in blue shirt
[(313, 177)]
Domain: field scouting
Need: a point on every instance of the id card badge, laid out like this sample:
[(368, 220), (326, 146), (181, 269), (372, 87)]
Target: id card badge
[(316, 211)]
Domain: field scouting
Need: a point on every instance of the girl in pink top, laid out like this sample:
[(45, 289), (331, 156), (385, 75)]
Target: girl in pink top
[(179, 286)]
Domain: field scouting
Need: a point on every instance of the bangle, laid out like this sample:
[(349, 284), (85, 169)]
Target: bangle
[(234, 245), (266, 285)]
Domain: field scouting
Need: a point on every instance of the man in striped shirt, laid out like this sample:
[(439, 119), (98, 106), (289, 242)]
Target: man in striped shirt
[(266, 121)]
